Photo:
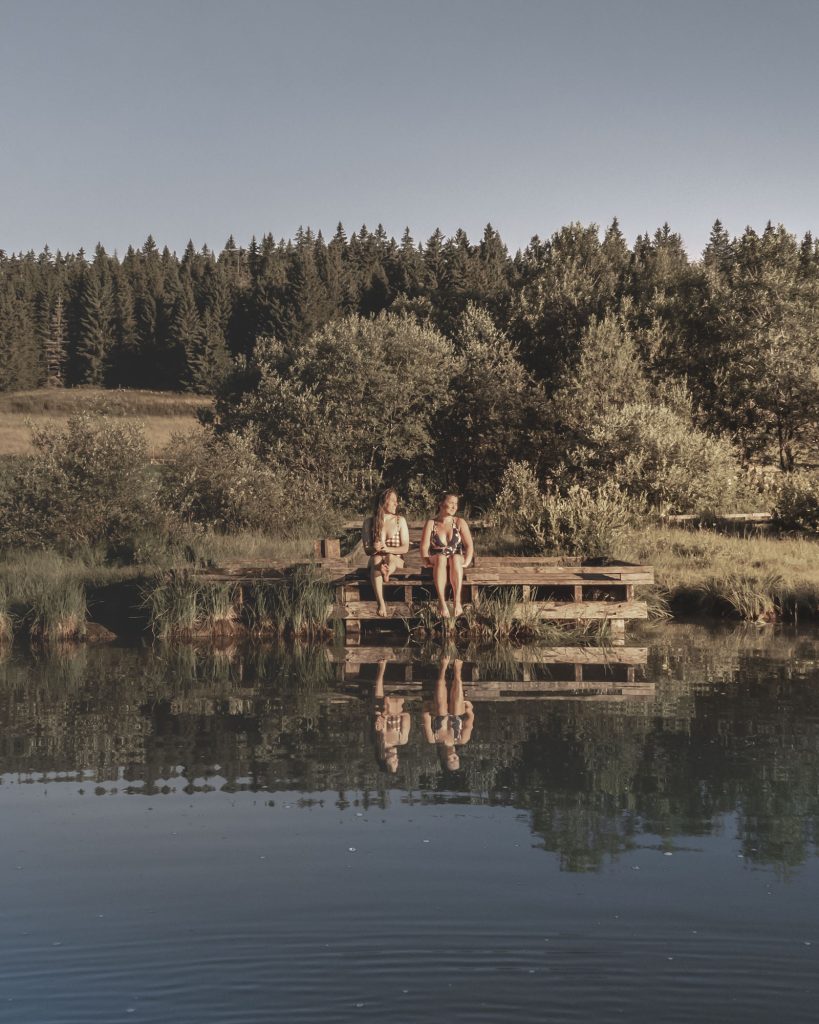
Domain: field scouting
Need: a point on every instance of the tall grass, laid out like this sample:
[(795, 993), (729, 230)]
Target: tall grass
[(500, 616), (5, 614), (45, 594), (181, 605), (753, 578), (298, 605)]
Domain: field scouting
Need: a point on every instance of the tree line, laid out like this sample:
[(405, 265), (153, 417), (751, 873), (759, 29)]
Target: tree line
[(737, 329)]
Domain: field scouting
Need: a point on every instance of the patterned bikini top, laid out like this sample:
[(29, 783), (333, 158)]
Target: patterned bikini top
[(438, 546), (394, 539)]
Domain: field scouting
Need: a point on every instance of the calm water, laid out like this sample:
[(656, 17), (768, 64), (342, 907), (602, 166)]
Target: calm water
[(215, 837)]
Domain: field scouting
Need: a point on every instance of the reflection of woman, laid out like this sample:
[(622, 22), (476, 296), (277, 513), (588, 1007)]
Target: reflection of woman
[(386, 540), (391, 723), (449, 718), (446, 545)]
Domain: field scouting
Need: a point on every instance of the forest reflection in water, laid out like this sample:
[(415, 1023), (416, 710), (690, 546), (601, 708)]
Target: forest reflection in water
[(716, 724)]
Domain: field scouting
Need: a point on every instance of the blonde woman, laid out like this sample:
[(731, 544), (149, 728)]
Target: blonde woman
[(446, 546), (385, 537), (391, 723)]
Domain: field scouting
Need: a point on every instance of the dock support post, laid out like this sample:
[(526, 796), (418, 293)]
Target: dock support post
[(618, 632), (352, 632)]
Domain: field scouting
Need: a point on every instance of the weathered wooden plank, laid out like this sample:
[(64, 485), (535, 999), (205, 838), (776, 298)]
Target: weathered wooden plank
[(552, 686), (327, 547), (532, 655), (586, 698), (563, 610)]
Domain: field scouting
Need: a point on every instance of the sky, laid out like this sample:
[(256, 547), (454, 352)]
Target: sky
[(198, 119)]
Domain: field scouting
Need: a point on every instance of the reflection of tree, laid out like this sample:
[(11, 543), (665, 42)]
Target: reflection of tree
[(734, 731)]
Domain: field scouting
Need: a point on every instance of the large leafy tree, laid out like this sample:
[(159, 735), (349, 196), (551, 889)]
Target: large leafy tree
[(351, 408), (492, 411)]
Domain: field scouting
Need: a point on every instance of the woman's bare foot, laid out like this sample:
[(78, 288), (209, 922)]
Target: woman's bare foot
[(382, 611), (443, 611), (459, 610)]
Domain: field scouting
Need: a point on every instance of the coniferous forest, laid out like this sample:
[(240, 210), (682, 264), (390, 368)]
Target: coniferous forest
[(738, 329)]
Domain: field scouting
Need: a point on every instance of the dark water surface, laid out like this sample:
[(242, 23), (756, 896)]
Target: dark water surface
[(193, 836)]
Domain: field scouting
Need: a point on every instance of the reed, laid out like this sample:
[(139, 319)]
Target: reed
[(45, 595), (312, 601), (181, 606), (498, 617), (56, 610), (6, 622)]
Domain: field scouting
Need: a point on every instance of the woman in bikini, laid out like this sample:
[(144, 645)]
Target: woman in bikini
[(386, 540), (391, 723), (446, 546), (449, 718)]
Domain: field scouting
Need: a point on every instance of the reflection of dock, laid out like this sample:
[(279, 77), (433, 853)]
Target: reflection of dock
[(556, 673)]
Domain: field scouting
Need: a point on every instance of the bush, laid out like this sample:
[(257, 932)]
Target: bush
[(219, 481), (89, 485), (656, 454), (796, 505), (582, 521)]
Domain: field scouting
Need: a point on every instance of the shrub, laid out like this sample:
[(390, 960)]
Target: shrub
[(796, 505), (655, 453), (219, 481), (582, 521), (89, 485)]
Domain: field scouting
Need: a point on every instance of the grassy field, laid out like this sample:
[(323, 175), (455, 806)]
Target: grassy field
[(161, 414)]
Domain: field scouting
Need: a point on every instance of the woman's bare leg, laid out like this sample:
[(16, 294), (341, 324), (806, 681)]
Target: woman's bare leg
[(440, 700), (456, 578), (379, 679), (439, 576), (456, 690), (377, 581)]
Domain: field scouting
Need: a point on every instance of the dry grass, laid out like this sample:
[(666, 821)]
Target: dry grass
[(756, 577), (161, 414)]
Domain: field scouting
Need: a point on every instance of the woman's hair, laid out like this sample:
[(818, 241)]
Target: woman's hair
[(378, 512), (443, 497)]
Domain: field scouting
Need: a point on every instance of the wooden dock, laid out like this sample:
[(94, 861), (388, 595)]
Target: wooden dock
[(554, 589), (541, 589)]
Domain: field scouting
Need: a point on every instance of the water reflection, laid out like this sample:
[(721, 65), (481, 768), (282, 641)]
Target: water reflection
[(449, 717), (698, 732), (391, 722)]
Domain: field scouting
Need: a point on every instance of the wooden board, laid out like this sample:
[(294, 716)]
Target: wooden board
[(528, 655), (559, 610)]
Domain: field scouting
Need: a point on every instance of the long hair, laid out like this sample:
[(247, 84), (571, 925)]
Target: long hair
[(378, 513)]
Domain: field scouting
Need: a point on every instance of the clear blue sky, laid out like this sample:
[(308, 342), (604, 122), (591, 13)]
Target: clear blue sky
[(201, 118)]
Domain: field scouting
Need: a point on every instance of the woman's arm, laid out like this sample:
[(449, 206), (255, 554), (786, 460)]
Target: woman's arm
[(426, 718), (469, 547), (426, 537)]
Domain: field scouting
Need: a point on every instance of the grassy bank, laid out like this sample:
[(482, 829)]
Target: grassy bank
[(47, 596), (756, 578), (161, 414)]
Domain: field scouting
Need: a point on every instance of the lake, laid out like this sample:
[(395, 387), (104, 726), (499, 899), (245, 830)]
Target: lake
[(198, 835)]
